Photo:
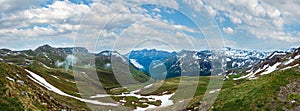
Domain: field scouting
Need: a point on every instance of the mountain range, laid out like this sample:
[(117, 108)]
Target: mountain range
[(42, 79)]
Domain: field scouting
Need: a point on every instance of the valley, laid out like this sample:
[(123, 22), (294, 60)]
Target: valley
[(47, 79)]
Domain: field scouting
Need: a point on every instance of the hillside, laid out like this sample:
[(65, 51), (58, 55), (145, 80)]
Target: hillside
[(19, 92), (42, 79)]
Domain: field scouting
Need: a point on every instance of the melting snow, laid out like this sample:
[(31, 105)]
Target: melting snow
[(243, 77), (249, 70), (195, 56), (124, 101), (290, 61), (55, 77), (47, 56), (9, 78), (253, 78), (100, 96), (277, 53), (164, 98), (214, 91), (45, 66), (41, 81), (271, 69), (251, 75), (107, 65), (228, 59), (297, 57), (156, 65), (148, 86), (288, 67), (136, 64), (119, 56)]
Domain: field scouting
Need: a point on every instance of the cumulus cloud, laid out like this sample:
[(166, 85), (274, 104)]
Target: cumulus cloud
[(10, 6), (262, 19), (103, 23)]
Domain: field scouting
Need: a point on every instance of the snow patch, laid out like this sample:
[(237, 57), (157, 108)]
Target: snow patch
[(249, 70), (107, 65), (55, 77), (41, 81), (290, 61), (297, 57), (214, 91), (196, 57), (156, 65), (45, 66), (277, 53), (271, 69), (289, 67), (251, 75), (228, 59), (47, 56), (164, 98), (119, 56), (9, 78), (100, 96), (136, 64), (148, 86)]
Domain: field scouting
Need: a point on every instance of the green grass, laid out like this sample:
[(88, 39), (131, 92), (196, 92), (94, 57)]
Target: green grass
[(61, 83), (10, 104), (294, 96), (240, 95), (260, 94), (11, 98)]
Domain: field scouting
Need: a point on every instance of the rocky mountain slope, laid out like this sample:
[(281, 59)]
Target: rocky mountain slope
[(278, 60), (153, 59)]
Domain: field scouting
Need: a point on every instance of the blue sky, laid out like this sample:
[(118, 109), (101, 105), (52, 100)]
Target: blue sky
[(167, 25)]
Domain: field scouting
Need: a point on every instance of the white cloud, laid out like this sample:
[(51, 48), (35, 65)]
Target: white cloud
[(148, 35), (262, 19), (104, 20), (10, 6), (58, 13), (168, 3), (62, 19), (228, 30), (185, 28), (156, 10)]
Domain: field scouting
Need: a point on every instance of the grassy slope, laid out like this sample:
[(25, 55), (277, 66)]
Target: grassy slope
[(35, 97), (241, 95), (6, 102), (260, 94), (64, 82)]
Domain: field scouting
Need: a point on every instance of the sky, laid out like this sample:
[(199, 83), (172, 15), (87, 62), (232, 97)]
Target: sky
[(171, 25)]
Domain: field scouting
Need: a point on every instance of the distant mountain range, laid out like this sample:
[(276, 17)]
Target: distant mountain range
[(235, 59), (156, 63)]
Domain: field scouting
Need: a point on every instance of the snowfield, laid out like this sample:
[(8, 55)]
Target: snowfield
[(41, 81), (136, 64), (164, 98), (289, 67), (271, 69)]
